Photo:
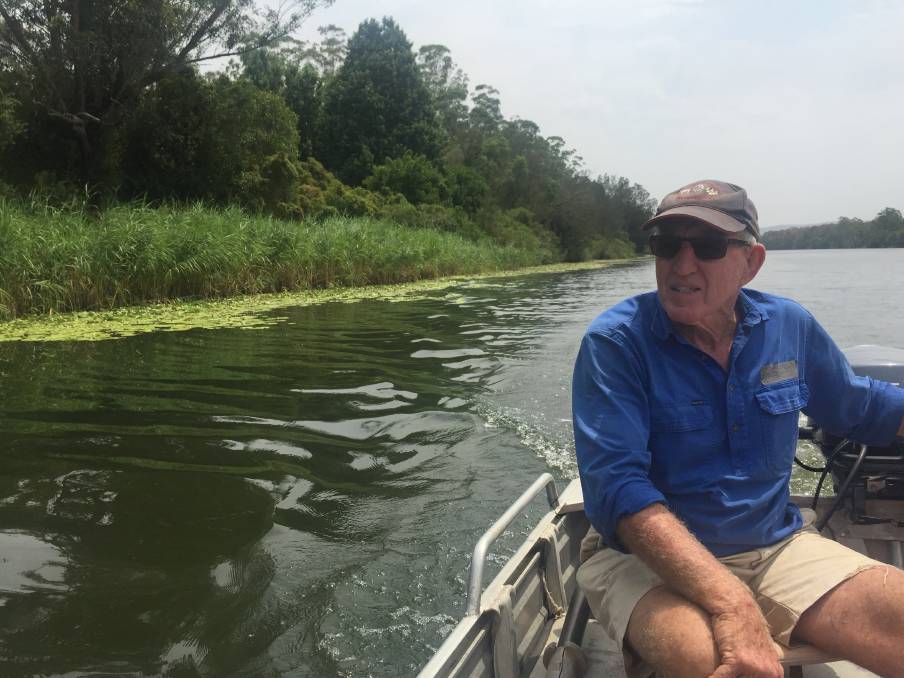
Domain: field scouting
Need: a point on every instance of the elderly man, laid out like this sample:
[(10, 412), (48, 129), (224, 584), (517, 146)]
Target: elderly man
[(686, 405)]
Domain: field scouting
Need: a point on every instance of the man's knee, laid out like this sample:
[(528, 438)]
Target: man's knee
[(870, 598), (862, 619), (673, 635)]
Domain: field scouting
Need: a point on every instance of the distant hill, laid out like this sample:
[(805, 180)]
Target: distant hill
[(885, 230)]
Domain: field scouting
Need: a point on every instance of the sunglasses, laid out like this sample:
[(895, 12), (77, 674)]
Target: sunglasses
[(706, 248)]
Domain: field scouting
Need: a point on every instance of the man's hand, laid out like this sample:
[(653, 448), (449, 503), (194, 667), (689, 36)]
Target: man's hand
[(745, 646), (740, 633)]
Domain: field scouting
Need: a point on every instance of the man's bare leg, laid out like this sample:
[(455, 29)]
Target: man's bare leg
[(673, 635), (861, 619)]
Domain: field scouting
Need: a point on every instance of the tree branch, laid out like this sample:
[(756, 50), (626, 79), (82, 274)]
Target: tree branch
[(15, 30), (202, 31), (260, 44)]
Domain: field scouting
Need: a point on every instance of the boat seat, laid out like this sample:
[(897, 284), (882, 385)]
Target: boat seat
[(801, 655), (795, 658)]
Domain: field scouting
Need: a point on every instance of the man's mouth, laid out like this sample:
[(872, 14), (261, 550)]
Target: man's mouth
[(684, 289)]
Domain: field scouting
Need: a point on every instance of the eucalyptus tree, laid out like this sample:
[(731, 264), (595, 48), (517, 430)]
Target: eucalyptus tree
[(447, 84), (330, 52), (82, 65), (486, 111)]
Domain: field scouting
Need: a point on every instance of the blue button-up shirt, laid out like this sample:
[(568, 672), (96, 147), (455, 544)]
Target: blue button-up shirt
[(658, 420)]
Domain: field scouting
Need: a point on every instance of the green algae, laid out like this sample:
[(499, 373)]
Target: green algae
[(247, 312)]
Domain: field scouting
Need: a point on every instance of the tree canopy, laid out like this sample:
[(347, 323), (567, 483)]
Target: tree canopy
[(83, 64), (106, 95), (885, 230)]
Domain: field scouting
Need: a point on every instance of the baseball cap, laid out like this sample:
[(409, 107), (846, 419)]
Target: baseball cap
[(721, 205)]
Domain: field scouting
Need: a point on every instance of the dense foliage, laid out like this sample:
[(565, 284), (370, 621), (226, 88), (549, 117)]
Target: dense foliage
[(885, 230), (55, 260), (82, 65), (110, 106)]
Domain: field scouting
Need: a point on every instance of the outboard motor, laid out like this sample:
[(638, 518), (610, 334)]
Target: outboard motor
[(860, 472)]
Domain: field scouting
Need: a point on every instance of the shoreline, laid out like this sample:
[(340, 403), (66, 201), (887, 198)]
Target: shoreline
[(241, 312)]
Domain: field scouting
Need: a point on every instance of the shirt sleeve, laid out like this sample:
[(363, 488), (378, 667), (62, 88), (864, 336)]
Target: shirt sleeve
[(611, 430), (863, 409)]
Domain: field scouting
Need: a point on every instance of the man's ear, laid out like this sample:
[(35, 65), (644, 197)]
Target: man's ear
[(756, 257)]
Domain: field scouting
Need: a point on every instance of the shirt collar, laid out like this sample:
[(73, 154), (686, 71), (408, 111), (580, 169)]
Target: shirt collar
[(751, 313)]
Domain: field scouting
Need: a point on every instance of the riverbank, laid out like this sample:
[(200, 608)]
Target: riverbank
[(248, 311), (63, 260)]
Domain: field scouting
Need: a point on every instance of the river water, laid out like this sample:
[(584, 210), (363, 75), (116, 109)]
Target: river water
[(302, 500)]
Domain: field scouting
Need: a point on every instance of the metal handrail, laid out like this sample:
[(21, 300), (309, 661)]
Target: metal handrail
[(478, 558)]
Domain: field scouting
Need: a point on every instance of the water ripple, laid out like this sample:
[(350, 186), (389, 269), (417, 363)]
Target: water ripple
[(302, 500)]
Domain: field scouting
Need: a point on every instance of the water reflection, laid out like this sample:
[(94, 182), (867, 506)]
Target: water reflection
[(29, 565), (122, 567)]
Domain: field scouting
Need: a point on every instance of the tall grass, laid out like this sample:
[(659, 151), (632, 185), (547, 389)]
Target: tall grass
[(65, 259)]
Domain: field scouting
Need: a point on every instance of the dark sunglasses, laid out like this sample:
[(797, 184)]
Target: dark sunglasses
[(706, 248)]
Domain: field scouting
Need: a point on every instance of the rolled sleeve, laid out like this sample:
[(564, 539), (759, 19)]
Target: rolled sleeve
[(611, 429), (863, 409)]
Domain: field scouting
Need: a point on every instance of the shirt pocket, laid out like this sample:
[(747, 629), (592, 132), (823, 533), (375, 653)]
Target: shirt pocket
[(680, 418), (779, 415)]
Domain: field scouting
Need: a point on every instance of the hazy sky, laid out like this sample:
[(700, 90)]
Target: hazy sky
[(802, 103)]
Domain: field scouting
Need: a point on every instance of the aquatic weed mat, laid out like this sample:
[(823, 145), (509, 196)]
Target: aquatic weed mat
[(247, 312)]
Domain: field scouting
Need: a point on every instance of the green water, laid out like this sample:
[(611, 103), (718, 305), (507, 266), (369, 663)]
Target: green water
[(296, 500)]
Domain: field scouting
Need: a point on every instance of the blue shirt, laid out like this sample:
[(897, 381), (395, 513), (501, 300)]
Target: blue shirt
[(658, 420)]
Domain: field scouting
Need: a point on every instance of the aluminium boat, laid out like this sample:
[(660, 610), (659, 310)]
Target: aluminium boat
[(532, 621)]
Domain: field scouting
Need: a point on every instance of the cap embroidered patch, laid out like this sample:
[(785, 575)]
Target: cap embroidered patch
[(771, 374), (697, 192)]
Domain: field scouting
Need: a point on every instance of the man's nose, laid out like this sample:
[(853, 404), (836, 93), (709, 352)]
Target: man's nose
[(685, 261)]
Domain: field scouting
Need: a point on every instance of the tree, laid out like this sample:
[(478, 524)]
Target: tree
[(885, 230), (888, 227), (412, 176), (486, 114), (304, 96), (330, 52), (287, 74), (266, 69), (377, 106), (10, 126), (467, 188), (447, 84), (171, 161), (221, 140), (86, 63)]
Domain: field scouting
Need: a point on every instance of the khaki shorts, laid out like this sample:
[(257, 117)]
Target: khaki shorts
[(786, 578)]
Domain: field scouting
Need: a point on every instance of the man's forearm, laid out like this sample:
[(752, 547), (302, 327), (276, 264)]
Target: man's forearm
[(662, 541), (901, 430), (739, 630)]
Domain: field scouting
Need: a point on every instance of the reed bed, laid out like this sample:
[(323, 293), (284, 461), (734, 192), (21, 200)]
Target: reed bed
[(54, 260)]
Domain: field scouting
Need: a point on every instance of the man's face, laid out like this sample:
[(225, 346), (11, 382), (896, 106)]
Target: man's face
[(698, 292)]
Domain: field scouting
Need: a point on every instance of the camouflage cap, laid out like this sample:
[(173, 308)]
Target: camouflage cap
[(721, 205)]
